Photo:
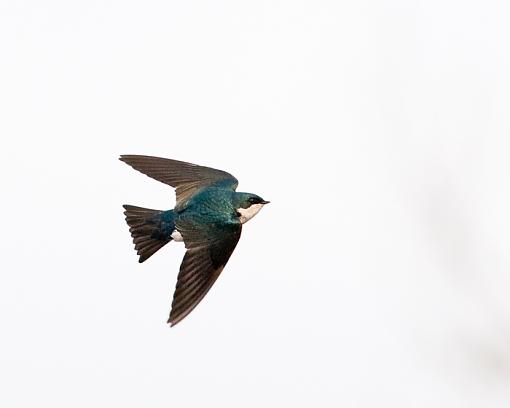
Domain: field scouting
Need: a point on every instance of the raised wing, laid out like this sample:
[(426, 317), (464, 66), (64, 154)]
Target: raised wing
[(208, 251), (187, 178)]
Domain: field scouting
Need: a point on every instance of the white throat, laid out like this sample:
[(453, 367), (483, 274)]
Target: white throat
[(248, 213)]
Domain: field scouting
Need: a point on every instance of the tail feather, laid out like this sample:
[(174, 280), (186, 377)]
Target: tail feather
[(150, 229)]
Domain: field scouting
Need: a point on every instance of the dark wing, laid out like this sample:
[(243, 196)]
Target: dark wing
[(187, 178), (208, 251)]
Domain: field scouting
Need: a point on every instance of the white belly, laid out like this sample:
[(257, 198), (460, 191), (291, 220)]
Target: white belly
[(176, 236)]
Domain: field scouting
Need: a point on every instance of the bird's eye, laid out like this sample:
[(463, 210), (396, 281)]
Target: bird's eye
[(253, 200)]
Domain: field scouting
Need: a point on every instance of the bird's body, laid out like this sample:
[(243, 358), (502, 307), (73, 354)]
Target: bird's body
[(208, 217)]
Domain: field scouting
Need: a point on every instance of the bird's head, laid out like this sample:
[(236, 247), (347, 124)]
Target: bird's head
[(248, 205)]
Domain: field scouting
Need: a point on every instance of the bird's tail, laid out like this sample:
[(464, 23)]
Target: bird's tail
[(150, 229)]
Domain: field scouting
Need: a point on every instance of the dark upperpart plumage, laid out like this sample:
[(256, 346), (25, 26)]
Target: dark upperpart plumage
[(206, 216)]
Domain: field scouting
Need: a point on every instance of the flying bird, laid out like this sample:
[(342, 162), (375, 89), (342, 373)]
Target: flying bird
[(208, 217)]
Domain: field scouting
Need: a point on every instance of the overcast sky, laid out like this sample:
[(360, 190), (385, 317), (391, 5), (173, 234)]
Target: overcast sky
[(377, 277)]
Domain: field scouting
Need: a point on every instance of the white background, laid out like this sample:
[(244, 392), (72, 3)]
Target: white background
[(377, 277)]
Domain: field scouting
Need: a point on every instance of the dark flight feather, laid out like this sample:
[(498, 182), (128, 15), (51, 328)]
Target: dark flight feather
[(187, 178), (208, 251)]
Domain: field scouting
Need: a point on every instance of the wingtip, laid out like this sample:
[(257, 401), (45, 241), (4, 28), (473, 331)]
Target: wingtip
[(173, 320), (126, 157)]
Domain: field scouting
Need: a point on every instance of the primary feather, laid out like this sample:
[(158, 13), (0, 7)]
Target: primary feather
[(186, 178)]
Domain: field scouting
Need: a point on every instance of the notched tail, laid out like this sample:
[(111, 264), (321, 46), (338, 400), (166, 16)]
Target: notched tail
[(150, 229)]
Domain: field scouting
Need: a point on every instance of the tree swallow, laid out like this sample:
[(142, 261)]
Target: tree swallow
[(208, 217)]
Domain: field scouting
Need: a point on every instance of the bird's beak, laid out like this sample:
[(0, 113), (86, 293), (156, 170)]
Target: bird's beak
[(265, 202)]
